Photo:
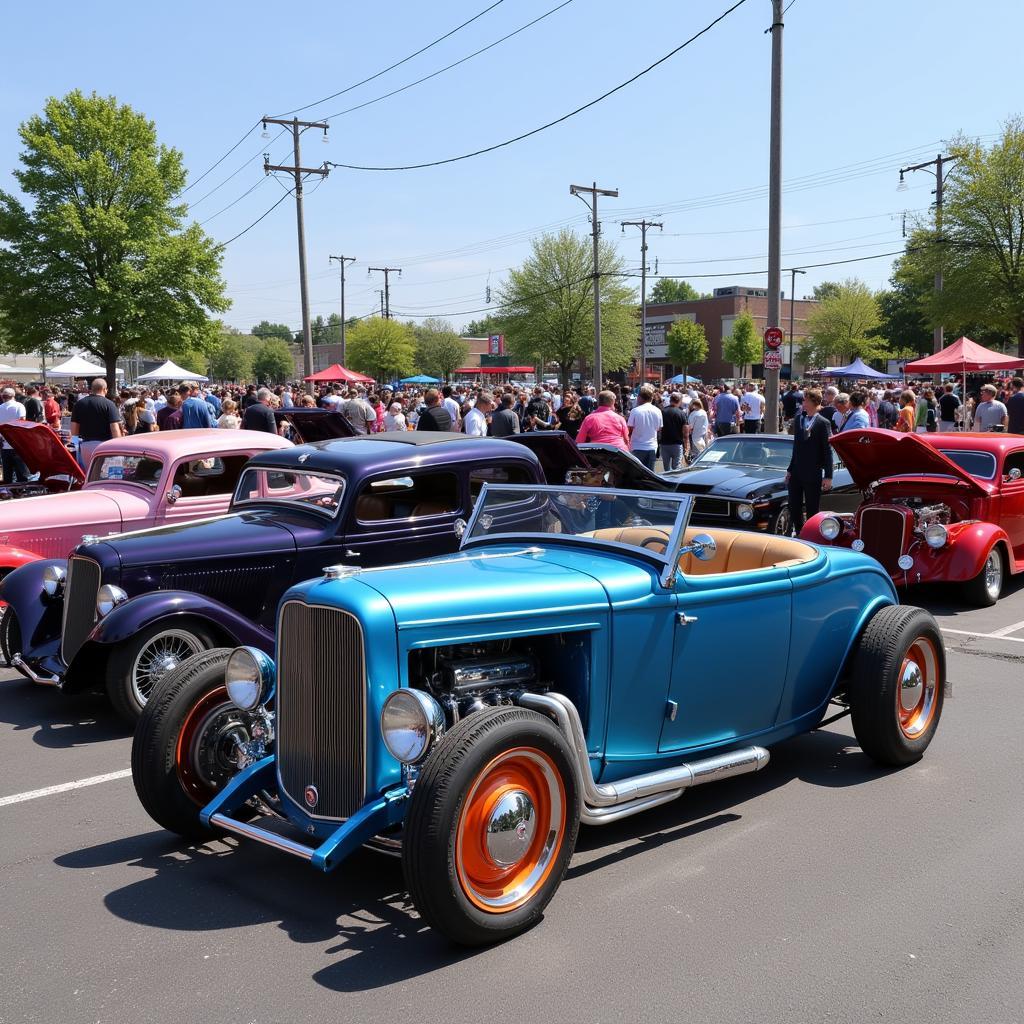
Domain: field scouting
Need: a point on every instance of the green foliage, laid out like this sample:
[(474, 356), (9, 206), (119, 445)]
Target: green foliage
[(845, 325), (482, 328), (668, 290), (687, 344), (266, 329), (547, 305), (101, 260), (231, 359), (826, 290), (382, 349), (272, 362), (439, 350), (981, 252), (744, 346)]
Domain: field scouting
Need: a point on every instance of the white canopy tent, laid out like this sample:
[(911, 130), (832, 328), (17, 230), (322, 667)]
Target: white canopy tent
[(76, 366), (21, 372), (171, 371)]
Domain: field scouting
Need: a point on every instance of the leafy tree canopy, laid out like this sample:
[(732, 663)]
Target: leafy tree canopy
[(826, 290), (666, 289), (382, 349), (272, 362), (231, 359), (439, 349), (743, 347), (99, 259), (844, 326), (482, 328), (687, 344), (266, 329)]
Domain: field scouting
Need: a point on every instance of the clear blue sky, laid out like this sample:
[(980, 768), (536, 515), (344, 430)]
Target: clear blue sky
[(869, 84)]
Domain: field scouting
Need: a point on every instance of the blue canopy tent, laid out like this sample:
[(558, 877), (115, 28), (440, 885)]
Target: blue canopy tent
[(421, 378), (859, 369), (680, 379)]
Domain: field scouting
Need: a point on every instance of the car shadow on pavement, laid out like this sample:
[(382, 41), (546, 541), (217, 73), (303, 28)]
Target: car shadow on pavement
[(60, 720), (947, 599), (363, 913)]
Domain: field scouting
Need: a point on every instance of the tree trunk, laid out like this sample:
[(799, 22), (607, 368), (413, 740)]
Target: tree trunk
[(1020, 340), (110, 362)]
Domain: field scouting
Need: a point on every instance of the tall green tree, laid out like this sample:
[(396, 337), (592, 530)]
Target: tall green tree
[(382, 349), (482, 328), (901, 314), (826, 290), (272, 363), (266, 329), (231, 359), (981, 253), (99, 258), (439, 349), (547, 305), (743, 347), (687, 344), (667, 289), (843, 327)]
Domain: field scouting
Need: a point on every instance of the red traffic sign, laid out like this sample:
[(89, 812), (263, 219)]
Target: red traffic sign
[(772, 359), (773, 337)]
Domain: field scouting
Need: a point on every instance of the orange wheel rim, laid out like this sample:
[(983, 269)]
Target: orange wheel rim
[(187, 752), (510, 830), (917, 688)]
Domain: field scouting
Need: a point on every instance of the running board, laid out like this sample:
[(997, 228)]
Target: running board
[(611, 801)]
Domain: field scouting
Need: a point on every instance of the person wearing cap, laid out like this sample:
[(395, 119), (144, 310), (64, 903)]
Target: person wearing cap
[(11, 410), (990, 414)]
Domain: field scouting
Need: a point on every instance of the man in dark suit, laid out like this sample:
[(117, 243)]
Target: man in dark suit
[(810, 468), (435, 416)]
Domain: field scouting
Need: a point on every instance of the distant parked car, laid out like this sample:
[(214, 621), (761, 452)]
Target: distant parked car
[(43, 453)]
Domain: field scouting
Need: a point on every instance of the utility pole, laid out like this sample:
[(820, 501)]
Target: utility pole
[(342, 260), (771, 382), (643, 225), (380, 292), (939, 163), (577, 190), (386, 271), (298, 171), (793, 271)]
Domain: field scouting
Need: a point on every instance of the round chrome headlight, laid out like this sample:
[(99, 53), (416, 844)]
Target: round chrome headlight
[(830, 528), (108, 598), (249, 677), (745, 512), (410, 723), (53, 579), (936, 535)]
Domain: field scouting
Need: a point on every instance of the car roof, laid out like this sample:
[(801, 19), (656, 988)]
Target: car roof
[(176, 444), (975, 442)]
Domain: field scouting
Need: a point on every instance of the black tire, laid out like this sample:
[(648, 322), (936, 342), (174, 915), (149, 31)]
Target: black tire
[(436, 866), (173, 791), (781, 523), (128, 687), (983, 591), (10, 635), (887, 730)]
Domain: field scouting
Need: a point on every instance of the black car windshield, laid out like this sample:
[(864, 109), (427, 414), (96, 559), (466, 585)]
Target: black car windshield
[(143, 470), (773, 453), (652, 523), (269, 486), (979, 464)]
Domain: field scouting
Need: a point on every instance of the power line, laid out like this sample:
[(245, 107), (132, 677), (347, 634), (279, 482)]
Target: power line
[(215, 165), (404, 60), (559, 120), (266, 213), (236, 171), (232, 203), (427, 78)]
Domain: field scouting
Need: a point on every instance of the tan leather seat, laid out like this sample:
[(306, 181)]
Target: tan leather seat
[(370, 507), (430, 508)]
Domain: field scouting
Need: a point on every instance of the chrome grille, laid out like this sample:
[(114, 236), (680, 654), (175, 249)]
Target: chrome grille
[(321, 709), (710, 507), (80, 591), (884, 530)]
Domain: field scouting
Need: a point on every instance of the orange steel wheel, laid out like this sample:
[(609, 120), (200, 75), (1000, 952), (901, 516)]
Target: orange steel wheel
[(202, 758), (510, 829), (918, 683)]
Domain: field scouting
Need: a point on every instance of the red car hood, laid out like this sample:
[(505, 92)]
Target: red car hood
[(41, 450), (870, 455)]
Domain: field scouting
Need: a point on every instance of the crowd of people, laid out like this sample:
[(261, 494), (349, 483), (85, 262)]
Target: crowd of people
[(673, 423)]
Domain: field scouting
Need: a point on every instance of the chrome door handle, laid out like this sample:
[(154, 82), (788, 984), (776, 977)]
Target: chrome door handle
[(349, 553), (685, 620)]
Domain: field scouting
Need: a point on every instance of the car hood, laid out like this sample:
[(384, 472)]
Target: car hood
[(625, 470), (313, 425), (87, 511), (41, 450), (870, 455), (556, 450), (728, 481)]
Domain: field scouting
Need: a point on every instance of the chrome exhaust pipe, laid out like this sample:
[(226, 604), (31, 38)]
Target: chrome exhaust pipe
[(607, 802)]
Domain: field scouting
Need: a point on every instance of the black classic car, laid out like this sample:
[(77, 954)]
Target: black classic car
[(740, 482)]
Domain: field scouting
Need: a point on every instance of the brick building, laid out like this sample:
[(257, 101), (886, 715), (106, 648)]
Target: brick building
[(717, 315)]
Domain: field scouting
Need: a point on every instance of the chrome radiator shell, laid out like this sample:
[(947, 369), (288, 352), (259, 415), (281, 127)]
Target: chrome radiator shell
[(79, 613)]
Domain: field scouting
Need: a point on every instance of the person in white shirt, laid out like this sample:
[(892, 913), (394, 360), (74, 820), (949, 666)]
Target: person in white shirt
[(476, 419), (394, 419), (11, 410), (645, 427), (696, 428), (453, 406), (752, 407)]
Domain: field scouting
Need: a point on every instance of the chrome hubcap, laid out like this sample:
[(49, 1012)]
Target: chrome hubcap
[(511, 828), (993, 573), (911, 686)]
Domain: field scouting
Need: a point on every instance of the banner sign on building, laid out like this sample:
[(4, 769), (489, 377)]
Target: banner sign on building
[(496, 346)]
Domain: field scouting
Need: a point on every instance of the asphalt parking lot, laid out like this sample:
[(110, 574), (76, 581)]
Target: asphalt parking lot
[(821, 889)]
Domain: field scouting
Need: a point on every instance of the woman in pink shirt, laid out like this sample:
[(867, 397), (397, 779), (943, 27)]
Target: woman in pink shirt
[(604, 425)]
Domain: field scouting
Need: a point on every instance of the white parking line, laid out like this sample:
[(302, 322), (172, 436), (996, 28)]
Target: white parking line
[(64, 787), (1007, 629), (998, 635)]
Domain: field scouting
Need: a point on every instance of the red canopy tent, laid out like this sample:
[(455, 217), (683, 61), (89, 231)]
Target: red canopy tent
[(337, 372), (964, 356)]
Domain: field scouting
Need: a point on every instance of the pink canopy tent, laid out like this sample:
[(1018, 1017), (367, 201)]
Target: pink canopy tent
[(964, 356), (337, 372)]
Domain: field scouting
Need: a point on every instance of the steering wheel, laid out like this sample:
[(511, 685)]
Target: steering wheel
[(654, 543)]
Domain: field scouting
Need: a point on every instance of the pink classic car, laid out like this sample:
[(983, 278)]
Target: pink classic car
[(134, 482)]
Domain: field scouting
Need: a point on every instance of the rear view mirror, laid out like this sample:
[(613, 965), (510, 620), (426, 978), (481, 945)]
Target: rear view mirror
[(173, 494), (702, 547), (460, 528), (1014, 474)]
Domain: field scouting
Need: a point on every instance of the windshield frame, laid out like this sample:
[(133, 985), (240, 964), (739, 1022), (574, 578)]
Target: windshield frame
[(667, 561), (950, 454), (98, 460), (724, 443), (240, 504)]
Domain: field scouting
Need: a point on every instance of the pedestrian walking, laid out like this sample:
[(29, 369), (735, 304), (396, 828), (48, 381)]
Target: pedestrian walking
[(752, 409), (604, 425), (810, 466), (95, 419), (697, 429), (726, 411), (673, 433), (644, 425)]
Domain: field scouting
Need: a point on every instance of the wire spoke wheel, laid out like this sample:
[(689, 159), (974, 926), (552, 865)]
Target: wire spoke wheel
[(158, 656), (916, 689)]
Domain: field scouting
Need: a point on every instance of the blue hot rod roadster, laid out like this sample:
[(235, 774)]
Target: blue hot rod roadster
[(472, 710)]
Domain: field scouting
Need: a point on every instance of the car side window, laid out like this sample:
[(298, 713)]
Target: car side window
[(407, 497), (514, 474), (201, 478)]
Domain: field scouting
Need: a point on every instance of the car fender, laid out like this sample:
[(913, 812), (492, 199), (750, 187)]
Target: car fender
[(968, 546), (141, 612), (869, 611), (12, 558), (39, 616), (810, 531)]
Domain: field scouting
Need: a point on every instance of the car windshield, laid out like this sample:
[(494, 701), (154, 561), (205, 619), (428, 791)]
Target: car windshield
[(979, 464), (143, 470), (313, 491), (636, 520), (743, 451)]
